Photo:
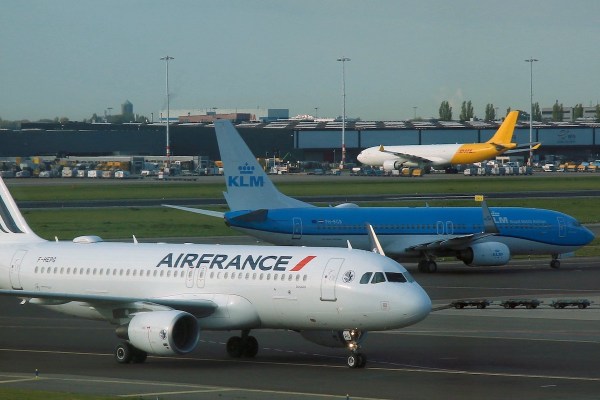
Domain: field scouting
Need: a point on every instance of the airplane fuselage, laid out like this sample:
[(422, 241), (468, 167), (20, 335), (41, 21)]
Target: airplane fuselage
[(278, 287), (435, 155), (402, 229)]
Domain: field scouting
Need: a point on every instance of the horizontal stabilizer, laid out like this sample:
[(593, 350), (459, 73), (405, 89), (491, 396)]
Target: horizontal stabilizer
[(210, 213), (525, 147)]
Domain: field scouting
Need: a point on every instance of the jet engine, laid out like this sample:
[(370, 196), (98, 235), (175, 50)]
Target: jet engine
[(485, 254), (162, 333), (330, 338), (390, 165)]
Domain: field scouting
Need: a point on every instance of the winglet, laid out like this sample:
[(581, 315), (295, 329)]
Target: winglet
[(489, 226), (373, 240), (381, 148)]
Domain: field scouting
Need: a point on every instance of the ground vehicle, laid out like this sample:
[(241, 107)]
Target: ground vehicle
[(562, 303), (479, 303), (528, 303)]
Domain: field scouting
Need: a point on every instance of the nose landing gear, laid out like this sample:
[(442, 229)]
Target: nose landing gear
[(356, 359)]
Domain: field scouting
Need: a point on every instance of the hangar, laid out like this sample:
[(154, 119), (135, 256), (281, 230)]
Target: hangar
[(301, 140)]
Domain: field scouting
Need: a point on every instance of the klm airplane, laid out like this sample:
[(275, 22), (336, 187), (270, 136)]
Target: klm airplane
[(478, 236)]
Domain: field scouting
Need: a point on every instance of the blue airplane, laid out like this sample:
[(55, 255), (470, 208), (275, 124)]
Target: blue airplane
[(478, 236)]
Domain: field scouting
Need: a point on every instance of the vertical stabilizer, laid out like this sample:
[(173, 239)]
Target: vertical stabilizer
[(504, 134), (13, 226), (248, 186)]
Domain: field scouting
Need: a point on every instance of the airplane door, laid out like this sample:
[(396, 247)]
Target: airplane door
[(330, 274), (201, 276), (562, 228), (297, 229), (15, 267), (189, 278), (440, 228)]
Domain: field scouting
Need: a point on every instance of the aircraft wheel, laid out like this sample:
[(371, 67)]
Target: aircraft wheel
[(362, 360), (250, 347), (139, 356), (431, 267), (352, 361), (235, 347), (124, 353), (555, 264)]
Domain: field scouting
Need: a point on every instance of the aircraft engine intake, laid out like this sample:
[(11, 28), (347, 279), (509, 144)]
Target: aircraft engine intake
[(162, 333), (390, 165), (485, 254)]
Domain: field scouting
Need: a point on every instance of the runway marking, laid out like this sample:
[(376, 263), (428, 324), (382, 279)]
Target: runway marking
[(463, 335), (18, 380)]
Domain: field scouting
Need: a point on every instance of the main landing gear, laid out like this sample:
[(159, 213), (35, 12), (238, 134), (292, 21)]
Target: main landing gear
[(427, 265), (555, 263), (242, 346), (125, 353), (356, 359)]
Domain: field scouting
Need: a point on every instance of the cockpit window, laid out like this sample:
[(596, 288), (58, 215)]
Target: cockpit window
[(395, 277), (366, 277), (378, 277)]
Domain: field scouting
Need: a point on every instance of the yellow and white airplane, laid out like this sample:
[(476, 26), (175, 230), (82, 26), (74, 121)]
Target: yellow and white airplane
[(444, 155), (161, 296)]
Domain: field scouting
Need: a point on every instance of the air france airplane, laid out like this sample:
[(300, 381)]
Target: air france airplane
[(160, 296), (444, 155), (478, 236)]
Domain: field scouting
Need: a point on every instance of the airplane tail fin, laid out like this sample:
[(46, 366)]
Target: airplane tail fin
[(13, 226), (504, 133), (248, 186)]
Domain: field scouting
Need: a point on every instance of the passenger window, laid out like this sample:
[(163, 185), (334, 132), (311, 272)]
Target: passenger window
[(378, 277), (366, 277)]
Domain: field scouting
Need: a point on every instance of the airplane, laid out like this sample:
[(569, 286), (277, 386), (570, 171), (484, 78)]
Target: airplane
[(444, 155), (161, 296), (478, 236)]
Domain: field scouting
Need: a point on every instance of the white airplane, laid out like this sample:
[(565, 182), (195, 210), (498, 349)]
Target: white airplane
[(160, 296), (443, 155)]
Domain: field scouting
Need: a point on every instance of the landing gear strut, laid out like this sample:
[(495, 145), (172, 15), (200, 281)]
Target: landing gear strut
[(427, 265), (555, 263), (356, 359), (244, 346)]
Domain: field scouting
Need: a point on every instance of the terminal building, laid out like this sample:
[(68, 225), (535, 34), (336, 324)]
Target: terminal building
[(292, 139)]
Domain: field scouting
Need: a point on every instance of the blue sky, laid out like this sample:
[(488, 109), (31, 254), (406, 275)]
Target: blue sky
[(72, 58)]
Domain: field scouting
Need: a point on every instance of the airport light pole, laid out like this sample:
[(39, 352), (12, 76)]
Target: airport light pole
[(531, 60), (343, 60), (168, 146)]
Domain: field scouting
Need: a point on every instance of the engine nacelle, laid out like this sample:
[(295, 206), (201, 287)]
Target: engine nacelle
[(391, 165), (331, 338), (347, 205), (162, 333), (485, 254)]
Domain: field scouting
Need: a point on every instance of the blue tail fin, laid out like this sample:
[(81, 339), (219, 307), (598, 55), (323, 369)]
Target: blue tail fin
[(248, 186)]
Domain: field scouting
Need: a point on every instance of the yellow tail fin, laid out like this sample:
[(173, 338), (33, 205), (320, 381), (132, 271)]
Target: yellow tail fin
[(504, 134)]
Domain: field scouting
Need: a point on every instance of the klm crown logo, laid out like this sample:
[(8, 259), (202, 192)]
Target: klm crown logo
[(246, 169), (246, 178)]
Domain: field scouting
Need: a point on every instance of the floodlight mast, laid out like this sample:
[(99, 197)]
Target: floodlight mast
[(168, 146), (343, 60), (531, 60)]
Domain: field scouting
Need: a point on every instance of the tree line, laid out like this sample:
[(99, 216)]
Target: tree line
[(467, 113)]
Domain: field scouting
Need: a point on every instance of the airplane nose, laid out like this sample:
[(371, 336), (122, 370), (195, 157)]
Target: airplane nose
[(420, 307), (588, 235), (360, 156)]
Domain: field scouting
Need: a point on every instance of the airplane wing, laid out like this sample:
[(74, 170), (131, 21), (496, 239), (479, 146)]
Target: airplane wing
[(210, 213), (197, 306), (452, 243), (407, 156), (462, 241)]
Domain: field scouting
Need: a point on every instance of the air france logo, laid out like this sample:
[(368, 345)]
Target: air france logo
[(246, 178)]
